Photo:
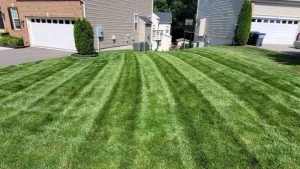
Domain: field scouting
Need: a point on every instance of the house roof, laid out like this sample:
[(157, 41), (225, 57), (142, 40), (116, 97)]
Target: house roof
[(165, 17), (146, 19)]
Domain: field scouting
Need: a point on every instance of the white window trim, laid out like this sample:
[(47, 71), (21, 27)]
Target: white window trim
[(135, 21), (167, 29), (13, 19)]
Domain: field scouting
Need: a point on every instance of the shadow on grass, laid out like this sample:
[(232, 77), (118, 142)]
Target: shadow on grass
[(286, 57)]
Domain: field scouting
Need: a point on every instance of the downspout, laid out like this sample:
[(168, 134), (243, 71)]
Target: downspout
[(83, 8)]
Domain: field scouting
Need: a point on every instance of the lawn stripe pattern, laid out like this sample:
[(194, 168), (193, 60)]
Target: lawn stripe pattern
[(266, 111), (158, 125), (215, 107)]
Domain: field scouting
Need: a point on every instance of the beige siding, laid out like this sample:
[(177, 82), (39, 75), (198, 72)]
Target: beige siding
[(221, 16), (117, 19), (273, 10)]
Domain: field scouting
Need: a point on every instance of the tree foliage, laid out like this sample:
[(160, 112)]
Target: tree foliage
[(243, 24), (84, 37), (181, 10)]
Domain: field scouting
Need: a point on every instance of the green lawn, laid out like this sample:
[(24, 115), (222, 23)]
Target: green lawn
[(218, 107)]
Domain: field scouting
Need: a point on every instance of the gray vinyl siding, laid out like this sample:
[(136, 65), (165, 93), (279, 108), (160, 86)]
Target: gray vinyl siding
[(117, 19), (277, 10), (221, 16)]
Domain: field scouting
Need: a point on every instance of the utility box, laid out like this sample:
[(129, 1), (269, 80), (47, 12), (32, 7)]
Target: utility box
[(100, 34), (200, 27)]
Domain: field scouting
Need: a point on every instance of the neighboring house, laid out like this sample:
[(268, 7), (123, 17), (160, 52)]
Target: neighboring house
[(218, 18), (127, 21), (49, 23), (161, 34)]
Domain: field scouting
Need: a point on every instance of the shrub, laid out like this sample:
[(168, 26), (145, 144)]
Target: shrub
[(84, 37), (11, 41), (243, 24)]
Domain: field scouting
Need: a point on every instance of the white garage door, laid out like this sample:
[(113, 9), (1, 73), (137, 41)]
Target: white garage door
[(279, 31), (52, 33)]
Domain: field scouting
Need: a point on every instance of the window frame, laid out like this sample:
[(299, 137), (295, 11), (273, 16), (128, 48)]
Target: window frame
[(13, 19), (167, 30), (135, 22)]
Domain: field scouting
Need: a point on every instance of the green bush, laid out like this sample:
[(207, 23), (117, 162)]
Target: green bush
[(243, 24), (84, 37), (11, 41)]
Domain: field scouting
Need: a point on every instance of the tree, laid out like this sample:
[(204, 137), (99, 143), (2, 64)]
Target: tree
[(243, 24), (84, 37)]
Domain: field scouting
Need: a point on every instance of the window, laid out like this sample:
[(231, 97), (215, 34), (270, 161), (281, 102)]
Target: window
[(38, 20), (290, 22), (258, 20), (167, 29), (33, 20), (73, 22), (14, 16), (253, 20), (284, 22), (55, 21), (67, 22), (61, 21), (136, 21), (278, 21), (49, 21), (266, 21), (296, 22), (43, 20), (272, 21)]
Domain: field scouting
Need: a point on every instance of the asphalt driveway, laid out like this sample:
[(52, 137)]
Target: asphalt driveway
[(18, 56), (289, 49)]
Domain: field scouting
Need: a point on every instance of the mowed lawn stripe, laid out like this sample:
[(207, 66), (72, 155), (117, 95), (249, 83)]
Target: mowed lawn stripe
[(161, 142), (282, 100), (111, 144), (29, 80), (7, 78), (14, 68), (10, 106), (276, 80), (61, 135), (214, 123), (285, 133), (273, 106)]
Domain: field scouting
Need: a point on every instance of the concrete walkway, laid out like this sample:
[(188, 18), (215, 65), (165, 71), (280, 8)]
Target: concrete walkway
[(18, 56)]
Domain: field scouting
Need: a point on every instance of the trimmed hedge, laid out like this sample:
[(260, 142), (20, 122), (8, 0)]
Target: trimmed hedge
[(84, 37), (243, 24), (11, 41)]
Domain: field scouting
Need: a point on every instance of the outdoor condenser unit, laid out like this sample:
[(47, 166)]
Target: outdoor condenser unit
[(137, 46)]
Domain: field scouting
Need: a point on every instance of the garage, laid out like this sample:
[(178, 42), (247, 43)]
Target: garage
[(278, 19), (54, 33), (278, 31)]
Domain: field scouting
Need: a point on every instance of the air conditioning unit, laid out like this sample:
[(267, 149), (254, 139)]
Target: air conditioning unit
[(200, 27), (141, 46), (137, 46)]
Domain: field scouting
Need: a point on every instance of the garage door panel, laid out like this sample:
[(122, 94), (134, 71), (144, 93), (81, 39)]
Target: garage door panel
[(283, 32), (53, 33)]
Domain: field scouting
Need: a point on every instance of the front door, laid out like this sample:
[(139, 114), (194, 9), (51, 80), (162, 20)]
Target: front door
[(1, 21)]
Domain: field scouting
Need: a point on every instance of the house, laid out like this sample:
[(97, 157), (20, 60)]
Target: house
[(49, 23), (161, 34), (217, 20)]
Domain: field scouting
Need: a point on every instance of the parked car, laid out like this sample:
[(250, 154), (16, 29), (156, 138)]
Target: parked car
[(297, 41)]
